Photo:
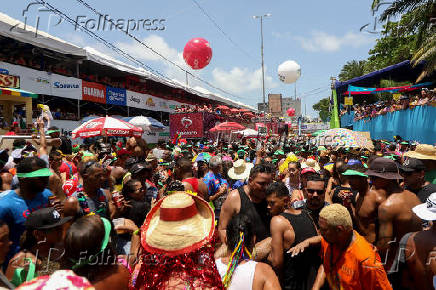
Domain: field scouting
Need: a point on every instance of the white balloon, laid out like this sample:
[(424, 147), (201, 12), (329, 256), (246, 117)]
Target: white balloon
[(289, 72)]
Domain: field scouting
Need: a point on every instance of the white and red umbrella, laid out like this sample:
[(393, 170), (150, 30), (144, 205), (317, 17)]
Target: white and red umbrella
[(227, 126), (106, 126)]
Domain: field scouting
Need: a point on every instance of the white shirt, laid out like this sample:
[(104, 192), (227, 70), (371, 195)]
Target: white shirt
[(243, 275)]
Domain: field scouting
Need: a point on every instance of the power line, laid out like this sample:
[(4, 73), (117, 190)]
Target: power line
[(154, 51), (122, 52), (221, 30)]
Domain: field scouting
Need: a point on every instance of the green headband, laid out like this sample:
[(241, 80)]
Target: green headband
[(43, 172), (52, 131), (350, 172), (107, 231)]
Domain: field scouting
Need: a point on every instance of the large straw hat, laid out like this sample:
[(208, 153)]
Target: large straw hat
[(240, 170), (178, 224), (310, 163), (422, 151)]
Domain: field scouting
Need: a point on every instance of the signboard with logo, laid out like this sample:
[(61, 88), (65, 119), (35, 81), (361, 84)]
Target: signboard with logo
[(115, 96), (93, 92), (348, 101), (66, 87), (31, 80), (134, 99), (187, 125), (9, 81)]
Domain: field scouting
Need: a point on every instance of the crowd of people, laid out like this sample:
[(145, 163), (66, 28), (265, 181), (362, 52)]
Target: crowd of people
[(202, 215), (404, 102)]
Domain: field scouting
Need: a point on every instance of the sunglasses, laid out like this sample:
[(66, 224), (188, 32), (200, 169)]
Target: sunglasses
[(318, 191)]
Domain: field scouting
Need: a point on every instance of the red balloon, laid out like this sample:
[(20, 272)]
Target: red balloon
[(291, 112), (197, 53)]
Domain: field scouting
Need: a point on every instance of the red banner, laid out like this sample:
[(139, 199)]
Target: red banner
[(8, 81), (93, 92), (188, 125)]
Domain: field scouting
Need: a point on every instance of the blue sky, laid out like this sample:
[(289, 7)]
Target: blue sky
[(320, 35)]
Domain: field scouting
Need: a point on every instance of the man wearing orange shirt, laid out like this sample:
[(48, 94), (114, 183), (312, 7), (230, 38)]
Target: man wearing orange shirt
[(349, 261)]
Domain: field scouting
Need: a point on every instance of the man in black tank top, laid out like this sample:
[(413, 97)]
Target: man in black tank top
[(289, 227), (250, 200)]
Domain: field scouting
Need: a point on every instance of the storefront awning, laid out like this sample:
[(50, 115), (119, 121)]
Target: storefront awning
[(17, 93)]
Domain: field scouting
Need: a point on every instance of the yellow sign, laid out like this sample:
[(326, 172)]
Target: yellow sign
[(348, 101), (396, 97)]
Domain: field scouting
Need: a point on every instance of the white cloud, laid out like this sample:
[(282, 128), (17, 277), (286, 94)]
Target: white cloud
[(158, 44), (322, 41), (241, 80), (237, 80)]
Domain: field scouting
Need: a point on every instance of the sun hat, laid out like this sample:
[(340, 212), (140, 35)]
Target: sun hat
[(178, 224), (61, 279), (240, 170), (423, 152), (311, 163), (384, 168), (45, 218), (427, 210)]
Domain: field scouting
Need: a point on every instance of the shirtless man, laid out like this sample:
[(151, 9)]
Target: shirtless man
[(250, 199), (54, 162), (289, 227), (183, 172), (367, 203), (420, 249), (395, 213)]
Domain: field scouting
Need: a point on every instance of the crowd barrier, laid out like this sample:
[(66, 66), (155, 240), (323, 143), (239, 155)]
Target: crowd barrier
[(417, 124)]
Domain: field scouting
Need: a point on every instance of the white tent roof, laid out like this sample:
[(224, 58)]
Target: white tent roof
[(15, 29)]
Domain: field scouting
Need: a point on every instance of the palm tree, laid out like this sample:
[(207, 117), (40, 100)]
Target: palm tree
[(426, 53), (423, 13), (352, 69)]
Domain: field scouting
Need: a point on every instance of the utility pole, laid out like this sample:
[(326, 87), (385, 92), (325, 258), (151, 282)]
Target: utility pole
[(261, 54)]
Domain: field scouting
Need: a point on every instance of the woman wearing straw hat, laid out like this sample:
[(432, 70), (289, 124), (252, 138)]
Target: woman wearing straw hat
[(237, 269), (176, 250)]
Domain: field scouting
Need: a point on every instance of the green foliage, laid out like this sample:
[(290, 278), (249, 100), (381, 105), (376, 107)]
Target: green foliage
[(352, 69), (322, 107), (412, 37), (395, 45)]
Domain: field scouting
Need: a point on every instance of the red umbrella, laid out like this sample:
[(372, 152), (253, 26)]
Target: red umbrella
[(222, 107), (234, 111), (227, 126), (244, 110), (106, 126)]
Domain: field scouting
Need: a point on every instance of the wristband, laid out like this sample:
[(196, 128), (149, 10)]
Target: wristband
[(136, 232)]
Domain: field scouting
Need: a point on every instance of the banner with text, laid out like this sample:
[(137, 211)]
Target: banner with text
[(31, 80), (115, 96), (9, 81), (66, 87), (188, 125), (93, 92)]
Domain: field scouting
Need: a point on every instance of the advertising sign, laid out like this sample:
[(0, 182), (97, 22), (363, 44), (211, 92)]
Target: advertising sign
[(31, 80), (115, 96), (9, 81), (93, 92), (188, 125), (134, 99), (66, 87)]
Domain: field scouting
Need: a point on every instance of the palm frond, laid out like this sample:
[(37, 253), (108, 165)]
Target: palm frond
[(402, 6)]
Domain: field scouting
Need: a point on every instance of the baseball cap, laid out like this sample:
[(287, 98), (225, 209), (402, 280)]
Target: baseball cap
[(427, 210), (45, 219), (412, 164), (138, 167)]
